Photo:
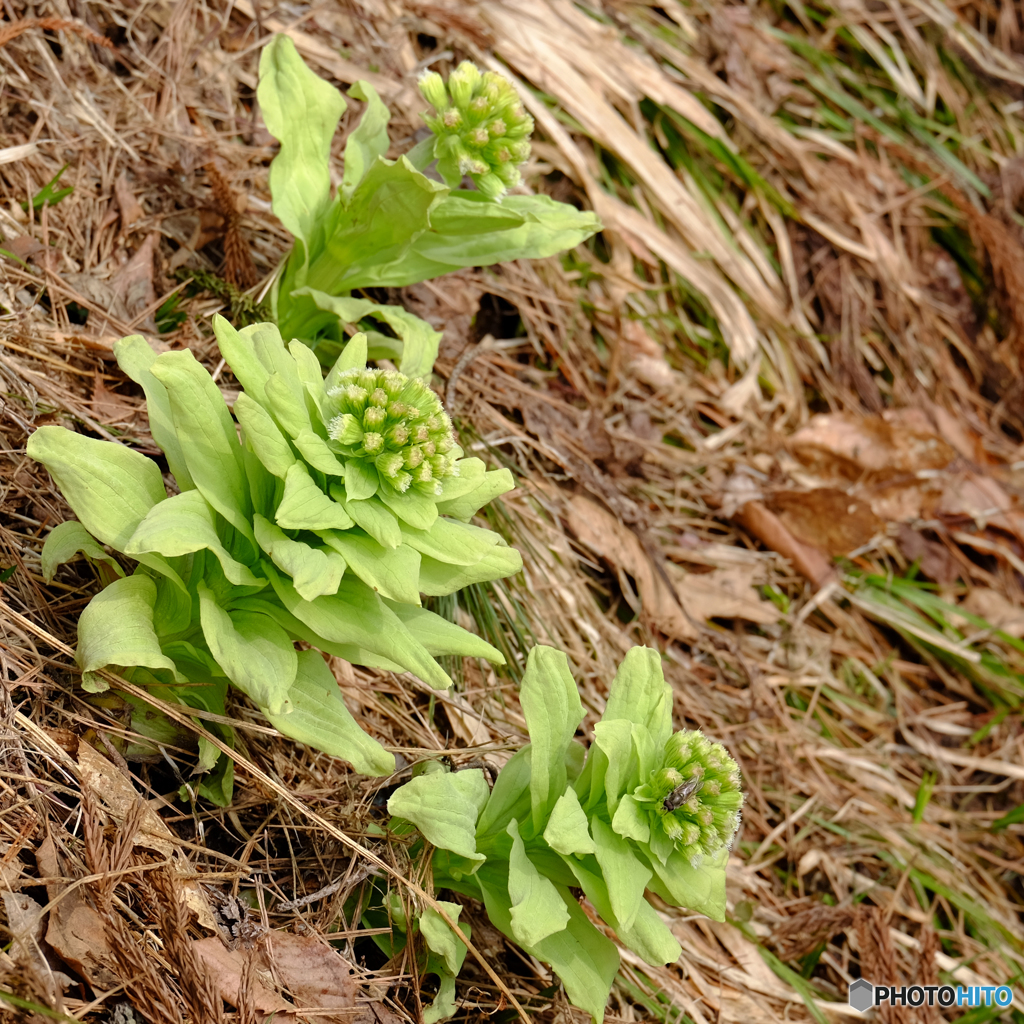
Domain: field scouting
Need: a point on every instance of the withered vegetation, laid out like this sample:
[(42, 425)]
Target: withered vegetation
[(770, 421)]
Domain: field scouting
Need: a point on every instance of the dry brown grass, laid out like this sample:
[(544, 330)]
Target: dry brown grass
[(656, 396)]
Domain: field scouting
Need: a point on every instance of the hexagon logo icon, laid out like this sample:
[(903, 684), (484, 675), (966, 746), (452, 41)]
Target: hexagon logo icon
[(862, 995)]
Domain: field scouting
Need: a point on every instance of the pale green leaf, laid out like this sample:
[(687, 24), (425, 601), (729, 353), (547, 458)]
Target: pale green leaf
[(315, 450), (439, 578), (615, 741), (471, 474), (181, 525), (584, 959), (109, 487), (269, 348), (537, 910), (172, 612), (630, 820), (208, 437), (441, 637), (510, 797), (392, 572), (624, 873), (135, 357), (239, 350), (468, 502), (640, 694), (387, 210), (264, 487), (436, 805), (551, 705), (417, 510), (465, 232), (287, 403), (440, 939), (320, 719), (305, 507), (309, 372), (648, 936), (452, 542), (361, 480), (444, 1004), (419, 340), (253, 650), (65, 541), (368, 140), (302, 112), (374, 518), (314, 572), (356, 615), (353, 357), (580, 955), (264, 436), (116, 631), (701, 889), (566, 831)]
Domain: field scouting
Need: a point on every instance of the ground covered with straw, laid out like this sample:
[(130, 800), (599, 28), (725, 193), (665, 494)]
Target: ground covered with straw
[(770, 420)]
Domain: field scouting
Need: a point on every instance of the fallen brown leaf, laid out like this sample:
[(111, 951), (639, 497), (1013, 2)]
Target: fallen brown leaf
[(722, 594), (981, 499), (102, 295), (10, 866), (118, 796), (23, 246), (671, 606), (600, 531), (855, 447), (130, 207), (25, 922), (133, 283), (13, 29), (109, 407), (75, 931), (317, 976), (192, 230), (226, 967), (827, 518), (933, 558), (644, 356), (808, 560), (996, 609)]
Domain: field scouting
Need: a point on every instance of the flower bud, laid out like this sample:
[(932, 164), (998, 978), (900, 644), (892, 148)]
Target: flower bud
[(431, 86), (374, 418), (475, 111), (463, 83), (389, 464)]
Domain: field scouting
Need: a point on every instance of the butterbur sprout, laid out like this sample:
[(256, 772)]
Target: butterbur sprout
[(481, 127), (643, 809), (356, 233), (315, 511)]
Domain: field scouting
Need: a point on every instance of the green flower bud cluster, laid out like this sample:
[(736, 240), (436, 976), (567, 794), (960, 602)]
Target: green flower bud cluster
[(396, 425), (481, 127), (693, 800)]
